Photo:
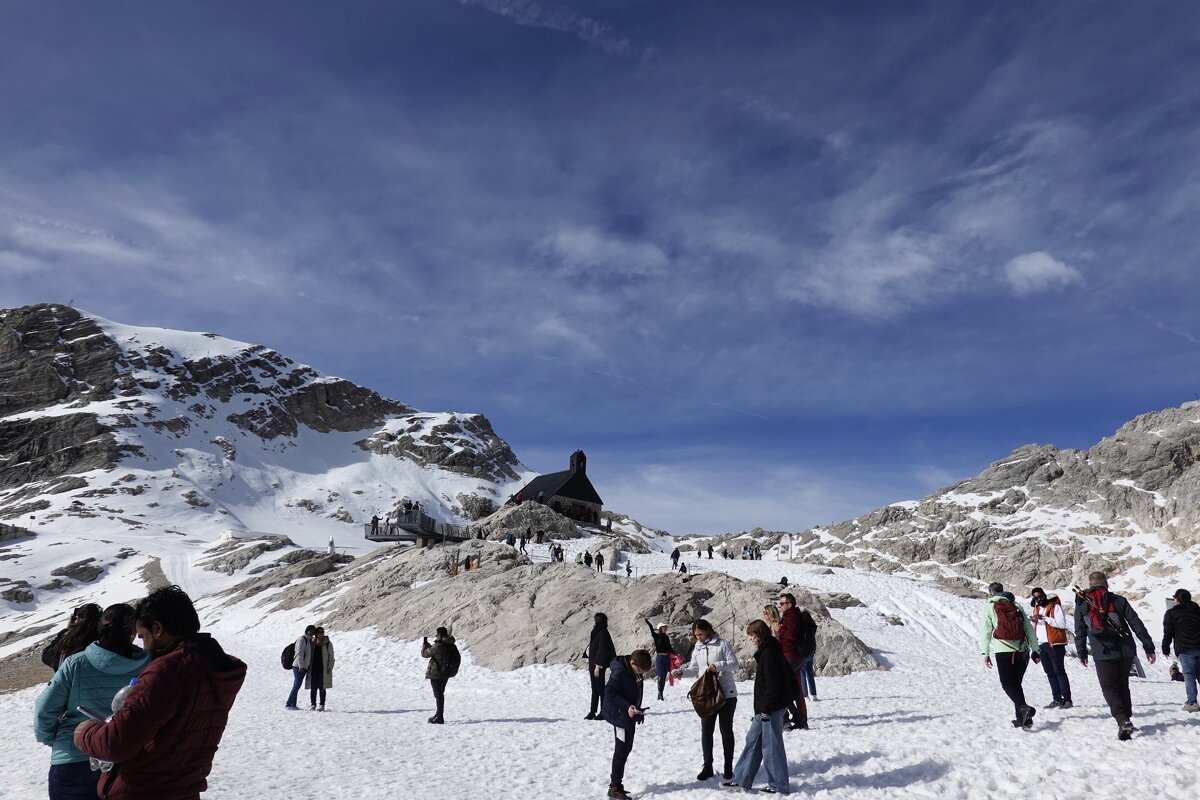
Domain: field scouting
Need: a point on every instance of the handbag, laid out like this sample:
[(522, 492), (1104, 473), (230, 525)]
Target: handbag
[(706, 694)]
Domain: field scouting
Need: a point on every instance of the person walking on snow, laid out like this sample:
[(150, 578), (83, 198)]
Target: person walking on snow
[(622, 709), (663, 650), (301, 661), (675, 558), (1103, 622), (1182, 624), (1050, 624), (774, 688), (713, 654), (1005, 631), (599, 562), (600, 653)]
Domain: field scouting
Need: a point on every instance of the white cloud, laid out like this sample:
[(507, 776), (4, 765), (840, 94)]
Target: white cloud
[(1038, 272), (532, 15)]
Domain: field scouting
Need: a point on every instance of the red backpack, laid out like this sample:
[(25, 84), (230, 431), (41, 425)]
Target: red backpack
[(1010, 625)]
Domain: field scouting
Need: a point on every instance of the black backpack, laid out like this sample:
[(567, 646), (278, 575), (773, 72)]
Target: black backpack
[(453, 660), (288, 655), (806, 644)]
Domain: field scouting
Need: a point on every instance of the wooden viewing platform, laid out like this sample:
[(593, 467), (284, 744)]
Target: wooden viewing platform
[(415, 526)]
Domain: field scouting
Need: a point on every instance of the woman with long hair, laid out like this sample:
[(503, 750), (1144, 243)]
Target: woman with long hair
[(81, 630), (771, 617), (89, 678), (774, 687)]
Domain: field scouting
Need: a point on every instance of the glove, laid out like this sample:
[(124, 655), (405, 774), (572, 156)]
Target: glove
[(1037, 659)]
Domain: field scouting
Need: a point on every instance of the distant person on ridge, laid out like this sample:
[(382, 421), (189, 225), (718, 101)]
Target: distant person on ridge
[(1103, 622), (599, 562), (622, 709), (164, 738), (600, 652), (1050, 624), (663, 651), (1006, 631), (710, 552), (1182, 624), (675, 558), (587, 558), (442, 654)]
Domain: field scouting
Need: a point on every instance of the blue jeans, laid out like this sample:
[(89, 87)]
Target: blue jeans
[(297, 681), (74, 781), (764, 746), (808, 678), (1053, 664), (1189, 662)]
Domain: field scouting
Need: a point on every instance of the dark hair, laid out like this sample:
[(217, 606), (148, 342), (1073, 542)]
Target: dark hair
[(1183, 595), (1037, 590), (703, 625), (310, 629), (601, 620), (1098, 579), (642, 659), (441, 631), (116, 630), (170, 607), (996, 587), (78, 637), (791, 598)]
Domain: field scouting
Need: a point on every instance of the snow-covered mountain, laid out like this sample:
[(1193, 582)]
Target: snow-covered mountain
[(126, 448), (1130, 505)]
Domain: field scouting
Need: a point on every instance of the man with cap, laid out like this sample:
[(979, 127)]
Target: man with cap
[(1103, 623), (1181, 623)]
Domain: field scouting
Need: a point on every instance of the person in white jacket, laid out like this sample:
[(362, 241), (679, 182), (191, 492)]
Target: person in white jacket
[(1050, 624), (712, 653)]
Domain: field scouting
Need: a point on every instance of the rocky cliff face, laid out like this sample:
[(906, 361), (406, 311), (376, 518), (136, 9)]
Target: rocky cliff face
[(80, 395), (1046, 516)]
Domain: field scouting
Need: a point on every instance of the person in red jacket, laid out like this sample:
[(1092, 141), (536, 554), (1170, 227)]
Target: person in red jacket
[(795, 629), (165, 736)]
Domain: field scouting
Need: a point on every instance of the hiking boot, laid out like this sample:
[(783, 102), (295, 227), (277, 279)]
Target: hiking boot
[(1026, 717), (1193, 707), (705, 774), (321, 707), (1066, 704), (590, 715), (617, 793), (1053, 704), (727, 774), (436, 720), (1125, 732)]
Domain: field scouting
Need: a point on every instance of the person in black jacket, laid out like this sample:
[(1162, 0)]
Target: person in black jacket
[(622, 709), (1181, 623), (1112, 647), (774, 688), (663, 650), (600, 654)]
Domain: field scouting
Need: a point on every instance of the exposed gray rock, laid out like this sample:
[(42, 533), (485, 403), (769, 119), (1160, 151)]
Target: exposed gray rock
[(84, 571), (233, 555), (512, 613), (19, 592)]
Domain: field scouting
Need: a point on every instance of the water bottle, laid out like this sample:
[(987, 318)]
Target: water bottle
[(117, 702)]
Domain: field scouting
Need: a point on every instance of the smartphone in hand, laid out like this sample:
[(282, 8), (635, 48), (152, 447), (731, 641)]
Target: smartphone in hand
[(91, 713)]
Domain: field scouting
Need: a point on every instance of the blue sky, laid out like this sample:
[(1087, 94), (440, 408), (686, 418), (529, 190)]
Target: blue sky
[(771, 264)]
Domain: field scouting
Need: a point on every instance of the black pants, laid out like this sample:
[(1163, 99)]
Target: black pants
[(597, 687), (312, 695), (798, 709), (707, 724), (621, 752), (1114, 683), (1011, 667), (1053, 662), (439, 694)]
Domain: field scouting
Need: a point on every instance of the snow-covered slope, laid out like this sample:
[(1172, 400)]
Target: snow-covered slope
[(126, 448)]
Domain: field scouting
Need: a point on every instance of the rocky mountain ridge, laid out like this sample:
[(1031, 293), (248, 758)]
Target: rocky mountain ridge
[(1129, 505)]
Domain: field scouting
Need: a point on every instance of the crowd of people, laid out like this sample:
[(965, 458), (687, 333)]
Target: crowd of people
[(154, 745)]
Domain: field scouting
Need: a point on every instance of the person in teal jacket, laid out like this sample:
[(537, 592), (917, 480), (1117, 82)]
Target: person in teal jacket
[(90, 678), (1006, 633)]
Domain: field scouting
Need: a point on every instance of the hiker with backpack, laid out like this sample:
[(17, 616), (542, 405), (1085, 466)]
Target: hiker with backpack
[(798, 638), (622, 709), (713, 656), (1006, 632), (1050, 624), (1181, 623), (298, 657), (1103, 625), (444, 660)]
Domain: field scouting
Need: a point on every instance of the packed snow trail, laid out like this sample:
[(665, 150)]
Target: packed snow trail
[(936, 724)]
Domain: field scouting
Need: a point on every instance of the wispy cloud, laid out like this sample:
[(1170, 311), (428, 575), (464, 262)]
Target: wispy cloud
[(537, 15)]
